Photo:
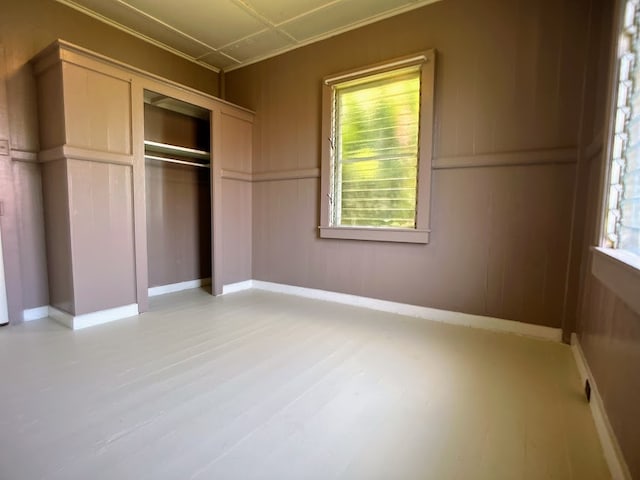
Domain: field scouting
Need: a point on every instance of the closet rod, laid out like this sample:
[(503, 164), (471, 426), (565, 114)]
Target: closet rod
[(173, 160)]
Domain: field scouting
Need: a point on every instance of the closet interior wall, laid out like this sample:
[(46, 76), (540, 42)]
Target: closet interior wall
[(178, 199)]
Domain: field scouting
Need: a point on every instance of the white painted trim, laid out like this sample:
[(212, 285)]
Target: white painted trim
[(78, 322), (178, 287), (237, 287), (4, 305), (36, 313), (454, 318), (612, 453)]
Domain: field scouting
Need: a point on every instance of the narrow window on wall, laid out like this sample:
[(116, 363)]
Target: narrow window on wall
[(623, 202), (377, 161), (375, 167)]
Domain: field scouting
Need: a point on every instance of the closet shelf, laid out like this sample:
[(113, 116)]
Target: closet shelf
[(175, 160), (157, 147)]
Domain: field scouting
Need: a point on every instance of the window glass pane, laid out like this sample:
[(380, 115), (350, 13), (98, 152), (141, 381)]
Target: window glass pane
[(623, 206), (376, 163)]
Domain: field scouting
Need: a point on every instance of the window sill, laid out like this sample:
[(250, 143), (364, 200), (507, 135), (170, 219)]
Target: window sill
[(619, 271), (401, 235)]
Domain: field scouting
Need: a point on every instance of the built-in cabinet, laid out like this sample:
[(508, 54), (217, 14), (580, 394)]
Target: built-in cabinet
[(112, 139)]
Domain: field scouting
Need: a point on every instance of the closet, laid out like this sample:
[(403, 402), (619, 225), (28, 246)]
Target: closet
[(146, 185), (177, 140)]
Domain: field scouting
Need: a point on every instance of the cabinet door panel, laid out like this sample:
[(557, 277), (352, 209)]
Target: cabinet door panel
[(97, 110)]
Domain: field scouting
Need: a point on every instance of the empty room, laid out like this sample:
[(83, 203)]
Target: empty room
[(320, 239)]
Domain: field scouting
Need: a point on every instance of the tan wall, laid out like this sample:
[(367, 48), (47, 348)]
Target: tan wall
[(509, 79), (165, 126), (31, 233), (237, 194), (103, 261), (236, 231), (608, 329), (25, 29), (58, 233), (610, 339), (178, 223)]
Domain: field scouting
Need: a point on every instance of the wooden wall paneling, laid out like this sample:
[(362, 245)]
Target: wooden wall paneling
[(103, 141), (506, 107), (236, 231), (139, 196), (57, 225), (94, 210), (166, 126), (481, 258), (178, 206), (35, 288), (217, 258), (9, 222), (27, 28), (237, 140), (610, 339), (97, 110), (51, 115), (101, 199), (236, 147)]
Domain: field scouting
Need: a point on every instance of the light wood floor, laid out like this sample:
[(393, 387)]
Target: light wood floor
[(262, 385)]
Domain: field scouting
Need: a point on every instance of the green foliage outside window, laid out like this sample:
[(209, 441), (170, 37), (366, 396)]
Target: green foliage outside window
[(376, 164)]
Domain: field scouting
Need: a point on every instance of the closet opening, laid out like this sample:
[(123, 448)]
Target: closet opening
[(177, 140)]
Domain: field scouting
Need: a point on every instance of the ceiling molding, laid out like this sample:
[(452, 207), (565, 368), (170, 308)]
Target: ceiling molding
[(130, 31)]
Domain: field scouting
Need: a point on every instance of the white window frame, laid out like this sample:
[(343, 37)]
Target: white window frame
[(419, 234)]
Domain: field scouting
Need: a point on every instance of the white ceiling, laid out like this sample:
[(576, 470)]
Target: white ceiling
[(227, 34)]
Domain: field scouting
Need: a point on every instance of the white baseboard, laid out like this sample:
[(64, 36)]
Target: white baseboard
[(612, 453), (35, 313), (455, 318), (77, 322), (237, 287), (178, 287)]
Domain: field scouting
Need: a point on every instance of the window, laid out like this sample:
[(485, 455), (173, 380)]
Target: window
[(376, 155), (616, 263), (622, 224)]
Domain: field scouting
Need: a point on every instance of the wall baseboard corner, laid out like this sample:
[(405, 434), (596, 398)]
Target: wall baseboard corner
[(237, 287), (178, 287), (77, 322), (612, 453), (444, 316), (36, 313)]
